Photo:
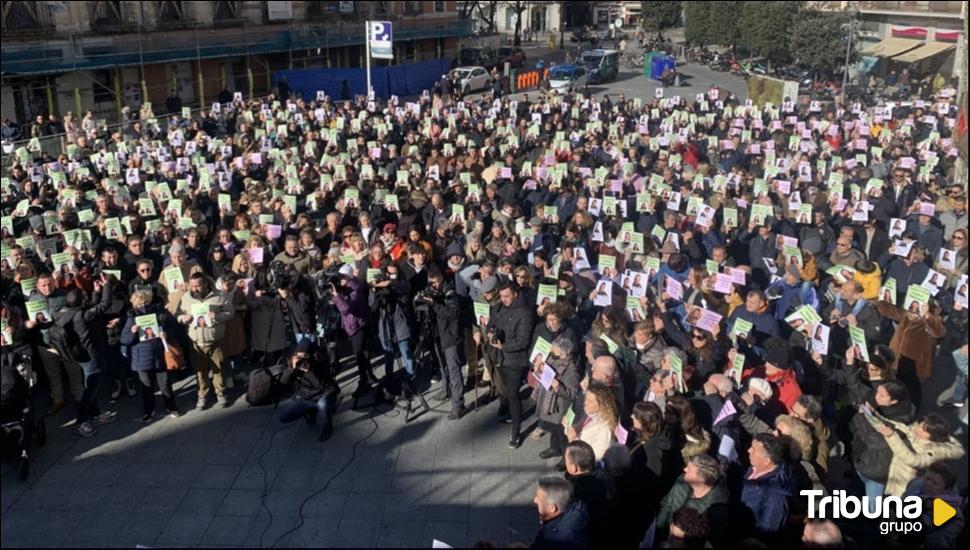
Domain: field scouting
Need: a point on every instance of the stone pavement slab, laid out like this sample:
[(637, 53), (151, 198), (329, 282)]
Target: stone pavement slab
[(236, 477)]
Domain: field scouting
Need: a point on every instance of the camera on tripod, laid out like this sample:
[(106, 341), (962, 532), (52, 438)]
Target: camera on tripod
[(422, 300), (280, 276)]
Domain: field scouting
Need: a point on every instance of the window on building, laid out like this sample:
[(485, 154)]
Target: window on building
[(412, 8), (410, 50), (103, 85), (26, 16), (226, 11), (439, 7), (322, 10), (169, 11), (105, 13)]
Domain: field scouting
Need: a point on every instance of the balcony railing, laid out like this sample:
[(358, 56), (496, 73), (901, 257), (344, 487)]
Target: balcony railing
[(943, 7), (204, 43)]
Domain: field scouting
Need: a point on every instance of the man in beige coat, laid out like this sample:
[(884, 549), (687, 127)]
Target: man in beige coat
[(206, 332)]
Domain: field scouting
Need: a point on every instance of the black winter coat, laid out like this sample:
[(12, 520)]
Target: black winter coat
[(446, 309), (84, 322), (516, 323)]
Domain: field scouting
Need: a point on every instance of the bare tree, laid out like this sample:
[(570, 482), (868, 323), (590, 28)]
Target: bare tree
[(518, 7)]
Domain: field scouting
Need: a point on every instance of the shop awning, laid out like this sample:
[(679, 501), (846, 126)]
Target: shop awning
[(924, 52), (891, 46)]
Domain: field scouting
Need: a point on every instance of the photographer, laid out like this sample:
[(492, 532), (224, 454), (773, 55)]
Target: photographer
[(510, 332), (314, 390), (351, 300), (443, 302), (283, 313), (389, 301)]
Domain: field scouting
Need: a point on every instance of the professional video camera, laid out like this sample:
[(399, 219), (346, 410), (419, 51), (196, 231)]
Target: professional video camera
[(421, 305), (324, 280), (279, 276)]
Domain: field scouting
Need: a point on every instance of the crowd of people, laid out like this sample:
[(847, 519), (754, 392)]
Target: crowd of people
[(706, 303)]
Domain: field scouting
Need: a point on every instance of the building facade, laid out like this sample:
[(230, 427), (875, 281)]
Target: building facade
[(103, 55), (923, 36)]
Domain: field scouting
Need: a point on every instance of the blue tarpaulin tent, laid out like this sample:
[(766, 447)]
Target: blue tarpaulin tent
[(399, 80), (659, 64)]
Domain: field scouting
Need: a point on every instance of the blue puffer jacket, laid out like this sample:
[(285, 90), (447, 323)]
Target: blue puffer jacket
[(767, 498), (566, 531), (146, 355)]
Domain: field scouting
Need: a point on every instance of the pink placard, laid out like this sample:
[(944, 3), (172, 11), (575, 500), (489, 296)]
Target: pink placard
[(674, 289), (737, 275), (621, 434), (255, 255), (547, 376), (708, 320), (273, 231), (723, 283)]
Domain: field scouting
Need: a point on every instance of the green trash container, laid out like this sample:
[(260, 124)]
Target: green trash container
[(648, 61)]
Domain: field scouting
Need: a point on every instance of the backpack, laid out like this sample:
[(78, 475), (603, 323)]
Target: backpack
[(265, 387)]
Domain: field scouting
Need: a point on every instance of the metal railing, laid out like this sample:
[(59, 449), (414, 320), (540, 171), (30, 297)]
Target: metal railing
[(945, 7), (200, 42)]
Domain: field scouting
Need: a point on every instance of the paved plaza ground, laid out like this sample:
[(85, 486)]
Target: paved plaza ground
[(235, 477)]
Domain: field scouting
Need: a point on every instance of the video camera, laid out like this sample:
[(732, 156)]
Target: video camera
[(421, 305), (280, 276), (324, 280)]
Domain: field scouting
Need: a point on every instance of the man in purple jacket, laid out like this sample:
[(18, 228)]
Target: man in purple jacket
[(350, 297)]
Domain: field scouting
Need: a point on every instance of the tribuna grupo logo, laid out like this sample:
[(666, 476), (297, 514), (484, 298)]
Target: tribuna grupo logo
[(898, 514)]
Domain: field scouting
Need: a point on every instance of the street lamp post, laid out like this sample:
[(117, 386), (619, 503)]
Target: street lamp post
[(848, 54)]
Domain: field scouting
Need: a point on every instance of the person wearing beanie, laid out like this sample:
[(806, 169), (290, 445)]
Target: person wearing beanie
[(790, 293), (778, 372)]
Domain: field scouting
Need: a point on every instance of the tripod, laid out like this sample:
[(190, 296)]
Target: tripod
[(408, 391), (429, 346)]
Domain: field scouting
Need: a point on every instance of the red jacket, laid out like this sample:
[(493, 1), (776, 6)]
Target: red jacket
[(786, 388), (784, 385)]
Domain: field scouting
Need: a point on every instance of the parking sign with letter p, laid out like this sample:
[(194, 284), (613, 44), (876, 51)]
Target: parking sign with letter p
[(381, 39)]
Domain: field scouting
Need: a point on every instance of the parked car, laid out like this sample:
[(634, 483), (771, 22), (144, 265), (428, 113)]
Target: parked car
[(567, 78), (515, 57), (600, 65), (476, 57), (470, 79)]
